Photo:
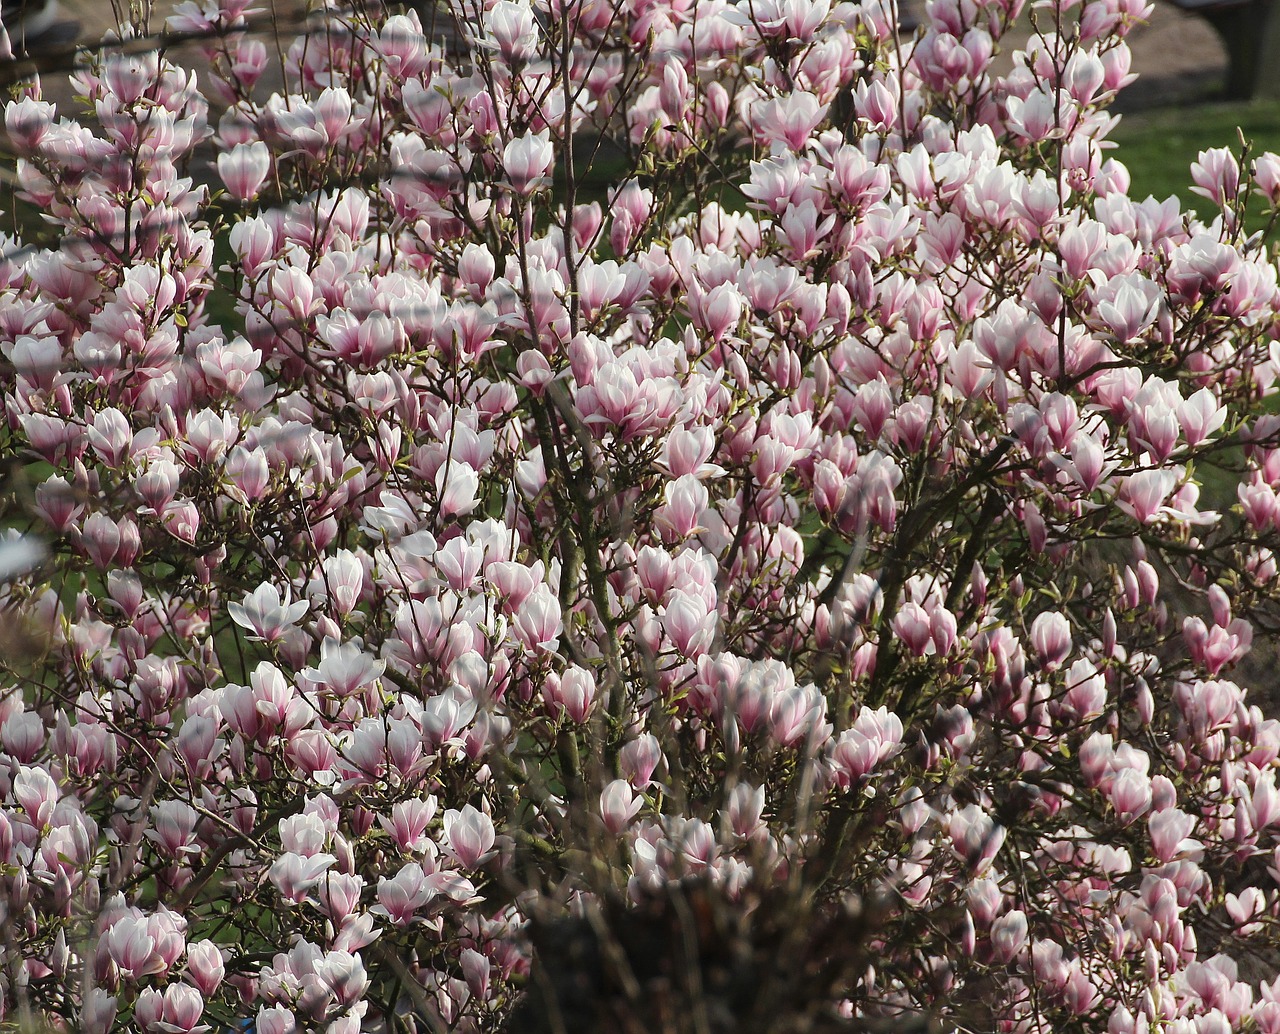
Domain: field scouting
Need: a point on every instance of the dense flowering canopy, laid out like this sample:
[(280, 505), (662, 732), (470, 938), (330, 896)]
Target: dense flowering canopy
[(587, 447)]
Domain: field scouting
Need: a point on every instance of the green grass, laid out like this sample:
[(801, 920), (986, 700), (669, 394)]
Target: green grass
[(1158, 147)]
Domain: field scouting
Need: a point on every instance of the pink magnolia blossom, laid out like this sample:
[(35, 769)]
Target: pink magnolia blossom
[(1009, 935), (1051, 637), (619, 804), (1217, 175), (400, 897), (511, 31), (689, 623), (639, 759), (469, 836), (275, 1019), (407, 824), (36, 793), (177, 1010), (528, 161), (265, 613), (205, 967), (295, 875), (571, 693), (538, 623), (874, 737), (244, 168)]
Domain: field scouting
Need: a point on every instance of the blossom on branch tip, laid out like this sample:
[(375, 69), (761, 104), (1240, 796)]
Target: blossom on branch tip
[(528, 161), (511, 31), (244, 168), (469, 836)]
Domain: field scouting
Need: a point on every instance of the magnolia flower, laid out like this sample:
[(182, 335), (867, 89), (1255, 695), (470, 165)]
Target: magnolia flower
[(98, 1011), (512, 31), (469, 836), (143, 946), (176, 1010), (793, 20), (1217, 175), (205, 966), (571, 694), (407, 824), (619, 804), (1051, 637), (1143, 495), (1127, 305), (638, 759), (265, 614), (874, 737), (295, 876), (689, 623), (401, 896), (527, 161), (27, 122), (1009, 935), (36, 793), (244, 168)]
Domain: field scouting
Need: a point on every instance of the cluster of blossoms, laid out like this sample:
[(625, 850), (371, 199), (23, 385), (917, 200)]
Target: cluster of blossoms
[(859, 495)]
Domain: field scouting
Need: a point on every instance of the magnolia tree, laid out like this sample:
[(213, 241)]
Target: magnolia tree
[(726, 472)]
